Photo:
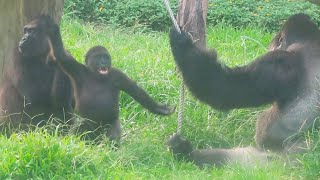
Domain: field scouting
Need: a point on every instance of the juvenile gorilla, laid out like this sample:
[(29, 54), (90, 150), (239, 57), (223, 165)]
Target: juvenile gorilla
[(34, 88), (286, 76), (96, 88)]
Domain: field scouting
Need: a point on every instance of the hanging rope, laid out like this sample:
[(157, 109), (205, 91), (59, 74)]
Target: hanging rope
[(181, 99), (181, 108), (174, 21)]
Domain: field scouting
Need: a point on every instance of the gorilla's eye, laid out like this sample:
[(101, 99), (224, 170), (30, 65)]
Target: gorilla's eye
[(280, 40), (280, 44), (29, 30)]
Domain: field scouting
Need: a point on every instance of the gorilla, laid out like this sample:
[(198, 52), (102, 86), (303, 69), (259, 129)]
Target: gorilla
[(34, 88), (286, 77), (96, 89)]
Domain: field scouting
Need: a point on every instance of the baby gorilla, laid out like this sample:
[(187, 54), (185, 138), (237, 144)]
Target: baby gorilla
[(247, 156), (96, 89)]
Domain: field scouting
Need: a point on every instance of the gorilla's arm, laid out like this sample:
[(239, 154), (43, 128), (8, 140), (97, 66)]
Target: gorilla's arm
[(61, 88), (269, 78), (182, 149), (124, 83), (75, 70)]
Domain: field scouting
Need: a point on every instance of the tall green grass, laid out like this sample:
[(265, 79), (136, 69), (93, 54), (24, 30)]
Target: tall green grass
[(147, 59)]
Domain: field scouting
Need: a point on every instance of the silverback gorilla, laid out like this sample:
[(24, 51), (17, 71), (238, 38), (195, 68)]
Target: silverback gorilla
[(286, 77), (34, 88), (96, 88)]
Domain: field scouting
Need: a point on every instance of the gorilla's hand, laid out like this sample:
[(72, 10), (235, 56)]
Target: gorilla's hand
[(180, 147), (53, 31), (162, 109), (174, 140), (182, 39), (50, 26)]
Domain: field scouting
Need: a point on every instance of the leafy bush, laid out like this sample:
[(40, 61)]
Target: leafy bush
[(153, 15), (130, 13), (266, 14)]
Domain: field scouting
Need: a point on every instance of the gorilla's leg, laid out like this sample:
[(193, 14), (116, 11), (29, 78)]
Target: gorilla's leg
[(114, 132), (279, 128)]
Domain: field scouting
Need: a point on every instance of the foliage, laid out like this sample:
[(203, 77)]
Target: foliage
[(130, 13), (266, 14), (153, 15)]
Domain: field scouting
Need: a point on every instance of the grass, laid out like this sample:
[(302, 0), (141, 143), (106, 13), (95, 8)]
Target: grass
[(146, 58)]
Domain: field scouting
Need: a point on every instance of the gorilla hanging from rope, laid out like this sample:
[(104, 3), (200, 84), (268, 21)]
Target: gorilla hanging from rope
[(286, 77)]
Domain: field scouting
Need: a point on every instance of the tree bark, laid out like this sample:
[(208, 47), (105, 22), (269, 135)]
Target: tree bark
[(192, 15), (14, 14)]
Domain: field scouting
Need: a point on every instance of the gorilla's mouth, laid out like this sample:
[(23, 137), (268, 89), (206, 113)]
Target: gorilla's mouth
[(21, 48), (26, 49), (103, 70), (23, 51)]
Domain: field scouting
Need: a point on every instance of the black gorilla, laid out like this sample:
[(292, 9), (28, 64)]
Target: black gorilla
[(286, 76), (96, 88), (34, 87)]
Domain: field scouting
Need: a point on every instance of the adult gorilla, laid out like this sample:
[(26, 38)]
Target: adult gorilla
[(285, 77), (34, 88)]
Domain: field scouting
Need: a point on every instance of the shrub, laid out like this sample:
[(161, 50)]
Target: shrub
[(152, 14), (265, 14), (129, 13)]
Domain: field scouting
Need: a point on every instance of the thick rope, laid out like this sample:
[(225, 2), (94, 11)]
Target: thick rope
[(174, 21), (181, 99), (181, 108)]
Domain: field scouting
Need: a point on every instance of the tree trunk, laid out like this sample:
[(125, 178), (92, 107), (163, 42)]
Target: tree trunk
[(192, 15), (14, 14)]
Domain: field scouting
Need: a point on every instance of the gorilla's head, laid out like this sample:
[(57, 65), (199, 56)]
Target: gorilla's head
[(98, 60)]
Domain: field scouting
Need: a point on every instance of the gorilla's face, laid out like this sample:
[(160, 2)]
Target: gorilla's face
[(275, 42), (34, 41), (100, 63), (294, 31)]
